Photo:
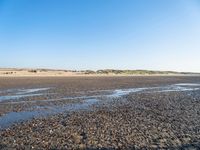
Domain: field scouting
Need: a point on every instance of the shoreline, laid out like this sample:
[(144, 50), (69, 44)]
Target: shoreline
[(102, 112), (101, 75)]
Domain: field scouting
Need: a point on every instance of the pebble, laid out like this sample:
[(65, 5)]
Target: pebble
[(141, 121)]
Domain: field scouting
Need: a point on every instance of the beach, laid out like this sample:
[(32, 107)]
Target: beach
[(100, 112)]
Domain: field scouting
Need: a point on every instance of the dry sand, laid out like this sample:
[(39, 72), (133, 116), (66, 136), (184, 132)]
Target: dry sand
[(13, 72), (35, 72)]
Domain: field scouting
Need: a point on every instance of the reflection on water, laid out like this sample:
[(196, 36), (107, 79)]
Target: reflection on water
[(15, 97), (86, 101), (122, 92), (187, 84), (15, 94), (22, 93), (16, 117)]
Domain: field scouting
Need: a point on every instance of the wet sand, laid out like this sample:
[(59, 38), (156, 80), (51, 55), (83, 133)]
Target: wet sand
[(100, 112)]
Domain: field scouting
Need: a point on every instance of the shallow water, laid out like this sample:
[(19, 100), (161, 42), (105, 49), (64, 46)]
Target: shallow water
[(169, 88), (86, 101), (16, 117), (187, 84), (15, 97), (15, 94), (110, 93)]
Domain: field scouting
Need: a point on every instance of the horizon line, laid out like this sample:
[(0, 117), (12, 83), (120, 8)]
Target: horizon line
[(79, 70)]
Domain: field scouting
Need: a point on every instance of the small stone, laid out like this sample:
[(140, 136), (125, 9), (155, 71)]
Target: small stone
[(77, 139), (82, 146)]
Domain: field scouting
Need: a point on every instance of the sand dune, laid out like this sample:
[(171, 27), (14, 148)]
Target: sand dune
[(13, 72)]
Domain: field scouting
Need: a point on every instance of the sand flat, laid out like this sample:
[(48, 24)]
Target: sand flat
[(100, 112)]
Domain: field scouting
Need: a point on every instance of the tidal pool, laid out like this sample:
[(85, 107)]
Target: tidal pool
[(85, 101), (15, 94)]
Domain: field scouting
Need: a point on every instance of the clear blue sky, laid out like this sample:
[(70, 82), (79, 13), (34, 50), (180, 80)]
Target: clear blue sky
[(100, 34)]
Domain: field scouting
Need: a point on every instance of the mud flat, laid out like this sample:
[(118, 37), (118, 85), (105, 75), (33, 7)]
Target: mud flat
[(100, 113)]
